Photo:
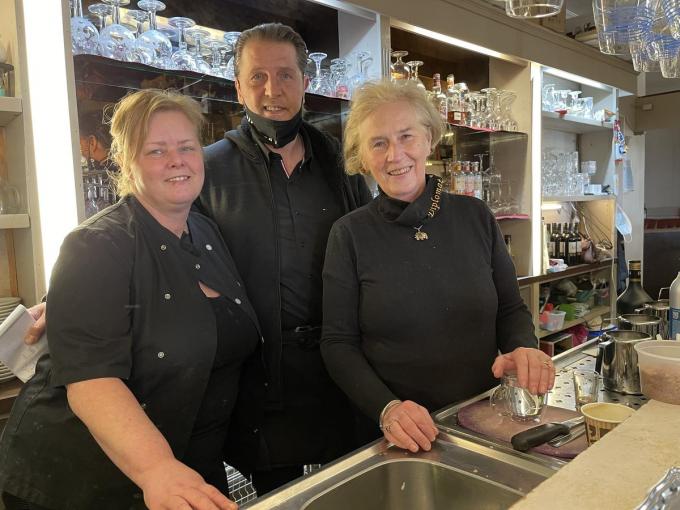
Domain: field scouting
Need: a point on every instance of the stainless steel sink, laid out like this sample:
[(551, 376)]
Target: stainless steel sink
[(413, 483), (457, 473)]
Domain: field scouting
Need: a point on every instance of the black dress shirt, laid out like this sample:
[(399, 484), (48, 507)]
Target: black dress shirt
[(306, 208)]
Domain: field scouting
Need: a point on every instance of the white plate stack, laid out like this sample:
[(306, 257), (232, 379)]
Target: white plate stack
[(7, 304)]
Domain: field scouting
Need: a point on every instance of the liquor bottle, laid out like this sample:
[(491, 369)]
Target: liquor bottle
[(438, 97), (579, 246), (634, 296), (550, 241), (555, 238), (453, 103), (476, 180), (564, 240), (458, 178), (571, 240), (674, 297)]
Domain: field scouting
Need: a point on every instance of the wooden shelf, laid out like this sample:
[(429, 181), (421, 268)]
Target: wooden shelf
[(10, 109), (14, 221), (595, 312), (572, 271), (578, 198), (573, 123)]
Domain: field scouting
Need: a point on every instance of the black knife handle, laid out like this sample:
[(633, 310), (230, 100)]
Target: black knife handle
[(534, 436)]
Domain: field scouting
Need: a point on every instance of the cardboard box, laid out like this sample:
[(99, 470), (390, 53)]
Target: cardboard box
[(557, 343)]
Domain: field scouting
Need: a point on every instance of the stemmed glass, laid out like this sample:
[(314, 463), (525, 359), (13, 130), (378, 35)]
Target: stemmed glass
[(84, 35), (217, 50), (182, 60), (116, 41), (153, 42), (231, 38), (492, 118), (414, 65), (101, 11), (199, 36), (139, 18), (507, 97), (319, 84), (398, 69), (339, 78), (363, 61)]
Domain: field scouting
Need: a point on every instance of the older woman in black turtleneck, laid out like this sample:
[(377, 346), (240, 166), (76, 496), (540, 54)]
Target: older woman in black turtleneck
[(420, 294)]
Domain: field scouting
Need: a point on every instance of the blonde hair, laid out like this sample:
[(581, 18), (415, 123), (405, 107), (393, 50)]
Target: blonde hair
[(130, 125), (372, 96)]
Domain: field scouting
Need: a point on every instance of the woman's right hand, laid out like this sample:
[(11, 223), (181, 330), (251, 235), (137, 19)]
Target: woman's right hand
[(174, 486), (409, 426)]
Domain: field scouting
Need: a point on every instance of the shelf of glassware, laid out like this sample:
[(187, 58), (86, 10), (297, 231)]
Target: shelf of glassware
[(10, 109), (573, 123), (578, 198), (11, 221)]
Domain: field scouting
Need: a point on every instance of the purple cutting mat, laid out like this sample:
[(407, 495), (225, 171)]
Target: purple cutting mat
[(480, 417)]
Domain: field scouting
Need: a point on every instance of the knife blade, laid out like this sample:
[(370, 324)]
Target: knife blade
[(567, 438), (534, 436)]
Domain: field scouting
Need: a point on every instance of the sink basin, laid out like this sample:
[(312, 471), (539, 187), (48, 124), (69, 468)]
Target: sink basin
[(458, 472), (413, 483)]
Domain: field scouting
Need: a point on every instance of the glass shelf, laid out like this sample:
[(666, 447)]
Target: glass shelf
[(573, 123)]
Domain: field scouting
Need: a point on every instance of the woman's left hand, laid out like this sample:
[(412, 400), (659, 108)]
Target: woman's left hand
[(534, 368)]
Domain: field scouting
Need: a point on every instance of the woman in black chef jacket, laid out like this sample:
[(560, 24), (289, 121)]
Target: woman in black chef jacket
[(148, 327)]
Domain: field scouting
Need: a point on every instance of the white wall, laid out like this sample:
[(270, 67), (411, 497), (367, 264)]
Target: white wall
[(662, 171)]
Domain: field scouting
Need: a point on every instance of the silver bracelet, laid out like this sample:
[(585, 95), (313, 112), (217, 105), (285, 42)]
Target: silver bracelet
[(390, 405)]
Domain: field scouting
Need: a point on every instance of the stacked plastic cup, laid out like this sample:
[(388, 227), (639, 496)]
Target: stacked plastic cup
[(671, 8), (669, 56), (614, 19)]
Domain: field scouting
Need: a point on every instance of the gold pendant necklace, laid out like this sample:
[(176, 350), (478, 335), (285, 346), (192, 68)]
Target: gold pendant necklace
[(420, 236), (434, 207)]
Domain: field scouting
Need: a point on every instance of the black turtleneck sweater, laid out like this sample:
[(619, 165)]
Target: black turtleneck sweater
[(419, 320)]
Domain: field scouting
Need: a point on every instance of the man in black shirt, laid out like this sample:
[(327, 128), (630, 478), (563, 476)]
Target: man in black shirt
[(274, 186)]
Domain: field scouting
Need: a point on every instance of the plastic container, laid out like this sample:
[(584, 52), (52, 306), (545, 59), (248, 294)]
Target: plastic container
[(659, 364), (555, 320)]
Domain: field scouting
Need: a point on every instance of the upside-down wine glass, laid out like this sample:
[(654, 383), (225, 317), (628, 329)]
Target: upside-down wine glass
[(84, 35), (153, 42), (414, 65), (181, 59), (230, 38), (319, 84), (217, 51), (199, 36), (101, 11), (138, 18), (398, 69), (339, 79), (363, 60), (116, 41)]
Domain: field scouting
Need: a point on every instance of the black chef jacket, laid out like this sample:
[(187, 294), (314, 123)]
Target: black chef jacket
[(124, 302)]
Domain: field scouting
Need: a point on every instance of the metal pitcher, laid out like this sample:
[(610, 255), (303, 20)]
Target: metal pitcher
[(617, 361), (641, 322)]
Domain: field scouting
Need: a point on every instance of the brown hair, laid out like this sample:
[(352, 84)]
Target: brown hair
[(130, 124), (272, 32), (373, 95)]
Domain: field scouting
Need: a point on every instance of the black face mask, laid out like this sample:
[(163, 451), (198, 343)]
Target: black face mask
[(277, 133)]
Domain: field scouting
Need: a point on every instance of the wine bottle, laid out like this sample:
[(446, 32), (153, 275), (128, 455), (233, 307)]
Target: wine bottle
[(634, 296)]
